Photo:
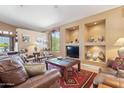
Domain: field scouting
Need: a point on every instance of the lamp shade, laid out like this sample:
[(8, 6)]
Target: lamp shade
[(119, 42)]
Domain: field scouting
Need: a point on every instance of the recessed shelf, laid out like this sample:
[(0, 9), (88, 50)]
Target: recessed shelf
[(72, 44), (94, 43), (94, 61), (72, 35), (95, 53)]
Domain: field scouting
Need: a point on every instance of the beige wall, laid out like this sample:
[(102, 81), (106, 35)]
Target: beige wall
[(114, 29), (7, 27), (33, 36)]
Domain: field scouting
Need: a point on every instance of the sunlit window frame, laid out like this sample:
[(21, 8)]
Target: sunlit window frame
[(57, 30)]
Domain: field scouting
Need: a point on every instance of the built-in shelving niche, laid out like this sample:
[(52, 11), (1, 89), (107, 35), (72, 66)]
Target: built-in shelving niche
[(94, 43), (72, 41), (72, 35)]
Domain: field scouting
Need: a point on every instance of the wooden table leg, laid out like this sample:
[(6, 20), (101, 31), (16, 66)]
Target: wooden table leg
[(65, 74), (79, 67), (46, 65)]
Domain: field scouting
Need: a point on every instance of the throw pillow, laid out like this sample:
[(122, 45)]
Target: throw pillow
[(121, 66), (115, 64), (110, 62), (34, 69), (11, 73)]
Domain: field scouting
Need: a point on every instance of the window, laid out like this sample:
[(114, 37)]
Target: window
[(55, 41), (4, 44)]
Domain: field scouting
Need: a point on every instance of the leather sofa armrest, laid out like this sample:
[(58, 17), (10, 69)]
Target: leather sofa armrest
[(49, 78), (120, 73), (45, 80), (108, 70), (114, 83), (103, 86)]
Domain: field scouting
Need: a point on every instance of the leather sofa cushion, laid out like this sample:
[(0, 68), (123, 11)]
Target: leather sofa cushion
[(121, 73), (109, 80), (101, 77), (103, 86), (35, 69), (45, 80), (12, 73), (7, 65), (113, 82)]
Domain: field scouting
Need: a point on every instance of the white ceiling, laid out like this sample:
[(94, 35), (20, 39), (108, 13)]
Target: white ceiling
[(42, 17)]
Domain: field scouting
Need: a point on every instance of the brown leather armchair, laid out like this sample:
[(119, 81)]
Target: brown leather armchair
[(48, 79)]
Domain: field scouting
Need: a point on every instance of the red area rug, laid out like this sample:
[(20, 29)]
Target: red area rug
[(77, 79)]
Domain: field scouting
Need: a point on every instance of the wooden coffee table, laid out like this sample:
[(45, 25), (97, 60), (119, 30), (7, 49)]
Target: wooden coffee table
[(64, 64)]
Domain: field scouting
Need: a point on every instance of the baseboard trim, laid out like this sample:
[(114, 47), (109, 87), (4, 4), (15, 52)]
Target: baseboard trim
[(90, 67)]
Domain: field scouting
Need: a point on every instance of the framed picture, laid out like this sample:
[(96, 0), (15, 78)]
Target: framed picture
[(26, 38)]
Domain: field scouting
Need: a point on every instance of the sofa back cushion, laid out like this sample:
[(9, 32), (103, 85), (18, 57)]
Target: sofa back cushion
[(12, 72)]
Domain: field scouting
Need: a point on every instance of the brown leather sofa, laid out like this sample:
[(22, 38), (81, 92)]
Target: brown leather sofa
[(109, 80), (13, 74), (109, 77)]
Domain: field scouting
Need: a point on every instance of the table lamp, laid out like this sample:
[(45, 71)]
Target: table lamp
[(120, 43)]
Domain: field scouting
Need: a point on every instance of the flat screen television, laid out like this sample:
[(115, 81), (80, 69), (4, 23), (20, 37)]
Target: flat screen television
[(72, 51)]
